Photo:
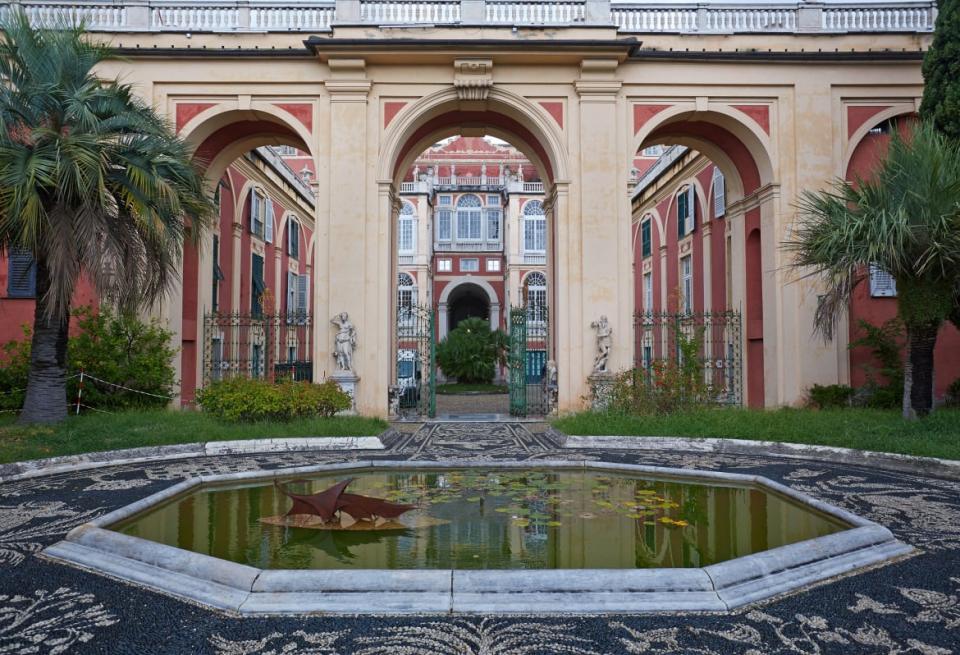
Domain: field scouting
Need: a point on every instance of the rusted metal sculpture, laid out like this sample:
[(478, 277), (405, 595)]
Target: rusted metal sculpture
[(331, 502)]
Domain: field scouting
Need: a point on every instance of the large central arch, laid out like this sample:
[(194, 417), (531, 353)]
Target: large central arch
[(501, 114)]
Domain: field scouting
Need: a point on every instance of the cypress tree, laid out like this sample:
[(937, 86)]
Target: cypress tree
[(941, 71)]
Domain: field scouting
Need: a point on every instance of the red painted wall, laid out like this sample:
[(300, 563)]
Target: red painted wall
[(878, 310)]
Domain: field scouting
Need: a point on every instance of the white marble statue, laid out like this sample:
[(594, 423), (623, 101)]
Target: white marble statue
[(604, 341), (344, 342)]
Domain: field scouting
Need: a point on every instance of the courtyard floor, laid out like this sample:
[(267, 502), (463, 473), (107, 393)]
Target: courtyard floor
[(911, 606)]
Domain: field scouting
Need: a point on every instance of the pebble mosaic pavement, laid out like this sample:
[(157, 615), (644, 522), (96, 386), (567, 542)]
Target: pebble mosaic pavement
[(911, 606)]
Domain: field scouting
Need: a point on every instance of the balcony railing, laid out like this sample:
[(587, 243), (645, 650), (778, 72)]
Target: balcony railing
[(306, 16), (534, 258), (467, 246)]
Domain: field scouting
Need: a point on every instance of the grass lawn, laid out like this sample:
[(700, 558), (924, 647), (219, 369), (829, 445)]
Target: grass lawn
[(454, 389), (94, 432), (864, 429)]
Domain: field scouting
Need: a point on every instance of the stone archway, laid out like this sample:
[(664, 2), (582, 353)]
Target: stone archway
[(743, 152), (502, 114), (466, 288), (220, 133)]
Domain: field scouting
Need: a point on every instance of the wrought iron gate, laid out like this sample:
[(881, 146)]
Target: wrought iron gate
[(269, 346), (713, 338), (416, 381), (529, 376)]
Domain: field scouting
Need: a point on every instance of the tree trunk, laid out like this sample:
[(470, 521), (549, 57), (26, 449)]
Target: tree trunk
[(908, 382), (922, 340), (46, 397)]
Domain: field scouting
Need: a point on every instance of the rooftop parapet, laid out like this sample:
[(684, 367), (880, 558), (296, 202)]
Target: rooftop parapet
[(311, 16)]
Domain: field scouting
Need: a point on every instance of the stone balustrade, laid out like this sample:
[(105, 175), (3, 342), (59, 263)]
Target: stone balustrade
[(640, 18)]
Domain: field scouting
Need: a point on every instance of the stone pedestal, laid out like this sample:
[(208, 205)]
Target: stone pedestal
[(349, 382), (601, 388)]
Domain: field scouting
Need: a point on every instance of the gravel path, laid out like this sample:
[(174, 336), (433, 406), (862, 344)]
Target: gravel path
[(912, 606)]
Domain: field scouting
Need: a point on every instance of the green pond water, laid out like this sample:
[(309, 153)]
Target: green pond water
[(491, 519)]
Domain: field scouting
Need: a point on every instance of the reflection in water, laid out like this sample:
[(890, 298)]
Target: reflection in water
[(493, 519)]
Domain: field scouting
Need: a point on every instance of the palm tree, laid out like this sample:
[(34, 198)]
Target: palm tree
[(905, 220), (92, 183)]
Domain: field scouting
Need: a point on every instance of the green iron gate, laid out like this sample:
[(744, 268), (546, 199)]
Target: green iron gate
[(530, 382), (416, 381)]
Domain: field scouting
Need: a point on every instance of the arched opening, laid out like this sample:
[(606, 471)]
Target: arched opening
[(468, 176), (245, 304), (467, 301), (701, 195)]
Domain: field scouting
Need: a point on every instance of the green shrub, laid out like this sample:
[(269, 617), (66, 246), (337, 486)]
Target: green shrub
[(953, 394), (667, 386), (471, 352), (244, 399), (884, 388), (118, 348), (830, 396)]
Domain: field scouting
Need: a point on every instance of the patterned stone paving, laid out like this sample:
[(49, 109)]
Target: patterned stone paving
[(912, 606)]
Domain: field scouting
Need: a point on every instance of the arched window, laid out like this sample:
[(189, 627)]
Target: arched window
[(719, 194), (646, 236), (535, 293), (534, 227), (406, 234), (469, 209), (406, 299)]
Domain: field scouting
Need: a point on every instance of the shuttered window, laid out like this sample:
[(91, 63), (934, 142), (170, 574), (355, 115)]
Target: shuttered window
[(646, 238), (218, 276), (719, 194), (686, 212), (257, 286), (21, 274), (293, 239), (268, 221)]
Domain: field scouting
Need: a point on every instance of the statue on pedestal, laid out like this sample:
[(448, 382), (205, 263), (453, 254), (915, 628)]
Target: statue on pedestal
[(604, 342), (344, 342)]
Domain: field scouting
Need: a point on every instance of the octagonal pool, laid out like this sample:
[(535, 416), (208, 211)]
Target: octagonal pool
[(480, 537), (489, 519)]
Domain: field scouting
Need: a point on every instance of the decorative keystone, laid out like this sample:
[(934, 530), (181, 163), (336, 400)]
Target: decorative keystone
[(473, 78)]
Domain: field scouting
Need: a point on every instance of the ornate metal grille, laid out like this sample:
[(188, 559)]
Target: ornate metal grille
[(715, 336), (416, 360), (527, 361), (270, 346)]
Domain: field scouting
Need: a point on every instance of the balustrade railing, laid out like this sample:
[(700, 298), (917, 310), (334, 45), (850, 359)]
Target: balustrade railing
[(318, 15), (400, 12), (916, 18), (526, 12)]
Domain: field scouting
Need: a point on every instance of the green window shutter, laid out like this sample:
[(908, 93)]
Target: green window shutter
[(21, 274), (646, 243), (257, 287), (681, 214)]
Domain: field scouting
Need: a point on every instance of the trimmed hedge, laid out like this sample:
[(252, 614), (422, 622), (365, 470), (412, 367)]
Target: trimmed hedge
[(243, 399)]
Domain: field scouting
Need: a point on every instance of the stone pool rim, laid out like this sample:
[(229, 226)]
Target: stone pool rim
[(247, 590)]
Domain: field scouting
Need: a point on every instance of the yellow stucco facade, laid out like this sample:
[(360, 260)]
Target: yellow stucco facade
[(776, 111)]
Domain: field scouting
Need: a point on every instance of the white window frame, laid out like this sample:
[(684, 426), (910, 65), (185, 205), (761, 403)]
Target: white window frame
[(407, 230), (534, 227), (258, 207), (474, 266), (686, 283), (648, 292), (445, 224), (445, 265), (493, 265), (268, 220), (535, 292), (495, 221), (469, 219)]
